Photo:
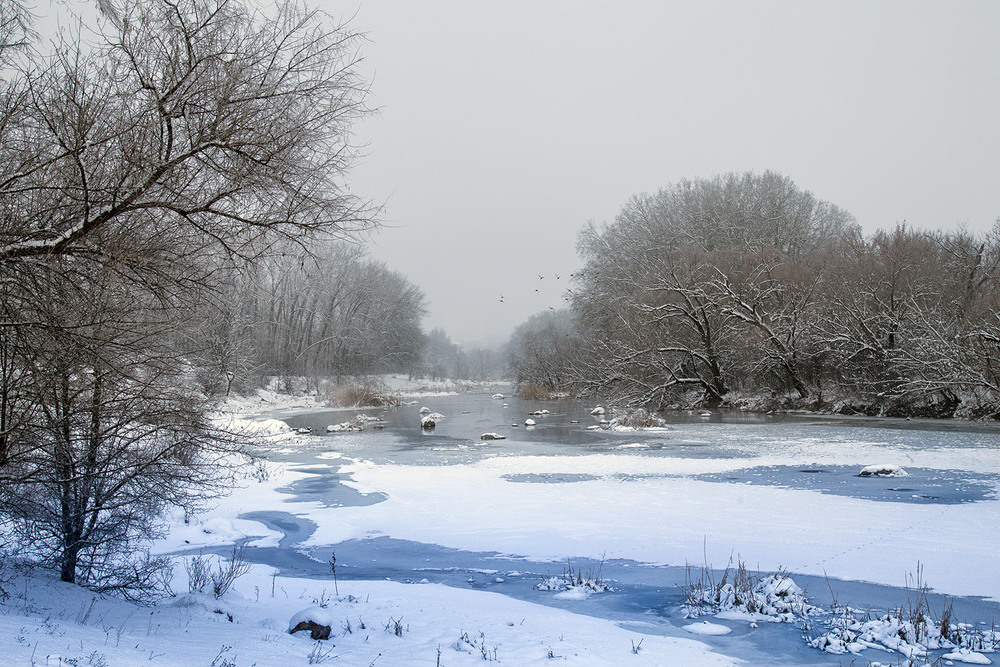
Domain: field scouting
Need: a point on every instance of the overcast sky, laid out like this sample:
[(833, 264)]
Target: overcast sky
[(505, 126)]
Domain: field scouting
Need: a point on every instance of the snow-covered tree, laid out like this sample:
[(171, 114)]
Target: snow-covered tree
[(141, 159)]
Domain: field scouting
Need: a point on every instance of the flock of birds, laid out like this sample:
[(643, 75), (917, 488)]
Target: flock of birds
[(567, 293)]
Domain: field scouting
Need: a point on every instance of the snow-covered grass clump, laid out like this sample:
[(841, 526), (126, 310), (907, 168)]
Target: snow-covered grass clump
[(912, 638), (575, 585), (910, 630), (742, 595)]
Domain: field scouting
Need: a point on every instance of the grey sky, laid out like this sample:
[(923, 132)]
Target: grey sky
[(504, 127)]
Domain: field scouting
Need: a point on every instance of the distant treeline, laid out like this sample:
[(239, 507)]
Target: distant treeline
[(745, 290), (331, 312)]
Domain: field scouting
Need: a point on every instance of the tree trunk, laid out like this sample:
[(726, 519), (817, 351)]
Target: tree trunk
[(69, 558)]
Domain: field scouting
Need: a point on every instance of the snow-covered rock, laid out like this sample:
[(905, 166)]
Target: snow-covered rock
[(424, 410), (529, 422), (597, 411), (356, 424), (498, 397), (887, 470), (317, 620), (492, 436), (427, 422)]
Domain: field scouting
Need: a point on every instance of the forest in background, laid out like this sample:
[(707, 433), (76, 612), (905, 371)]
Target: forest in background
[(744, 290)]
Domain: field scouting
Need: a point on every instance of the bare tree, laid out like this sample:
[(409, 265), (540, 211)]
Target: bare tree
[(543, 350), (332, 311), (137, 168), (15, 29), (199, 115), (111, 432), (743, 282), (703, 285)]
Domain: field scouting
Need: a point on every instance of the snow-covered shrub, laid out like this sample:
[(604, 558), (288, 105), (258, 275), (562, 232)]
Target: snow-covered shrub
[(200, 573), (536, 392), (911, 638), (571, 580), (224, 576), (363, 391), (773, 597), (910, 630), (198, 570)]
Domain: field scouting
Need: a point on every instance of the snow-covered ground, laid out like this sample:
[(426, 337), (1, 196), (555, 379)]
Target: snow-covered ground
[(616, 501), (46, 622), (50, 623)]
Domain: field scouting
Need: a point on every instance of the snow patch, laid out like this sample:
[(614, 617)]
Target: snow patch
[(968, 657), (708, 629)]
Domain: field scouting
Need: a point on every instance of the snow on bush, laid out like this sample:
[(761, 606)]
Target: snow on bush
[(913, 638), (741, 595), (575, 585), (910, 631)]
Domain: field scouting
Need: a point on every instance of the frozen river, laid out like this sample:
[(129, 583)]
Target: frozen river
[(408, 504)]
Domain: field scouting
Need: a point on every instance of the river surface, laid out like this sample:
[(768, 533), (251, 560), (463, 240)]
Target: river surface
[(646, 597)]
